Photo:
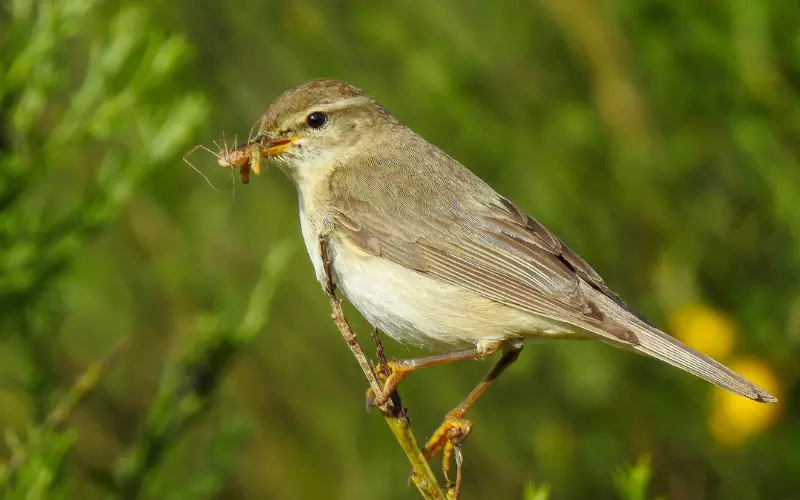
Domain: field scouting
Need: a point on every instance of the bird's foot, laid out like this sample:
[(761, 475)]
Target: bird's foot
[(390, 374), (447, 439)]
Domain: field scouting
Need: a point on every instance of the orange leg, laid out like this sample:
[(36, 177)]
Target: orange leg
[(400, 368), (455, 428)]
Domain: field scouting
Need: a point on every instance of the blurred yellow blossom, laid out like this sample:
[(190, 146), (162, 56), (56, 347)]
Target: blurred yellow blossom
[(704, 329), (732, 418)]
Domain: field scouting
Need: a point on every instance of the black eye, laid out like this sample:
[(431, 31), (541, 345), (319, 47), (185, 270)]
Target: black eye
[(316, 119)]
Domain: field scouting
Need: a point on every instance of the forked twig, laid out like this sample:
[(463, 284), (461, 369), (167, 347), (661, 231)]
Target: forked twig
[(392, 411)]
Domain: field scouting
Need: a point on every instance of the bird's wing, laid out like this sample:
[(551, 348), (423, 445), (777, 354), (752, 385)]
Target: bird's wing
[(496, 251), (502, 254)]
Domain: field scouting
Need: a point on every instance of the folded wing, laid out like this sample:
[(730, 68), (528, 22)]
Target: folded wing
[(501, 253)]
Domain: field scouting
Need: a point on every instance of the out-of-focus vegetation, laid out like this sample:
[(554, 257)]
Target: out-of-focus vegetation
[(658, 139)]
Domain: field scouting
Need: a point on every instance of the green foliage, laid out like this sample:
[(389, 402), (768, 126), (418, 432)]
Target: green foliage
[(39, 462), (533, 492), (631, 483), (186, 393), (110, 114), (658, 139), (114, 118)]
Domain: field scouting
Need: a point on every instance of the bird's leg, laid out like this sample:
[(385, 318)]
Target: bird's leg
[(455, 428), (400, 368)]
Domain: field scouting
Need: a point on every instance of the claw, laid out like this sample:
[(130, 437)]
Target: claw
[(453, 449), (369, 400), (447, 457), (381, 371), (447, 439), (397, 372)]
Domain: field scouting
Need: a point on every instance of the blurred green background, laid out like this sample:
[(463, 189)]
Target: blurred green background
[(659, 139)]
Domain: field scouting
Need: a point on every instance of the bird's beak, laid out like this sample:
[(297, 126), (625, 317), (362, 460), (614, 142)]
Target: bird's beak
[(274, 147)]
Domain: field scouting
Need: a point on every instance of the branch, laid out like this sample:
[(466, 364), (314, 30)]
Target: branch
[(48, 443), (393, 412), (185, 393)]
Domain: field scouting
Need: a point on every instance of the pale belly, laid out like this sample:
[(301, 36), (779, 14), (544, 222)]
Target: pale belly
[(415, 309)]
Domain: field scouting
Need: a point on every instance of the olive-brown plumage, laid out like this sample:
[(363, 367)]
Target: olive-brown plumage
[(430, 253)]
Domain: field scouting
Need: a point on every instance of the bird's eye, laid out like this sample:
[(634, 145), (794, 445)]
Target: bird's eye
[(316, 119)]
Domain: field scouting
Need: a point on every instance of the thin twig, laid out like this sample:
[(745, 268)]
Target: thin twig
[(383, 372), (379, 352), (88, 380), (394, 414), (456, 491)]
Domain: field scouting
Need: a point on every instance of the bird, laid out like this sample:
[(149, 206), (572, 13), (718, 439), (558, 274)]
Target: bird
[(431, 255)]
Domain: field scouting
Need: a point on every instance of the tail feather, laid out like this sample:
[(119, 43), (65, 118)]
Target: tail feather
[(659, 345)]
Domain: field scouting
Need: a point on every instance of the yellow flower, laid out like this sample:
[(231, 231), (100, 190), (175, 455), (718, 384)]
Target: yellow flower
[(704, 329), (732, 418)]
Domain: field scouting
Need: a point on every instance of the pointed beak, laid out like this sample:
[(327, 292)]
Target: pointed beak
[(274, 147)]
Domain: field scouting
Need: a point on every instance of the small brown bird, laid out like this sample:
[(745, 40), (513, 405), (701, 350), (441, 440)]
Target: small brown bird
[(432, 255)]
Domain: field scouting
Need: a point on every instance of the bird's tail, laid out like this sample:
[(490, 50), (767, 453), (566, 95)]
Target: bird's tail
[(659, 345)]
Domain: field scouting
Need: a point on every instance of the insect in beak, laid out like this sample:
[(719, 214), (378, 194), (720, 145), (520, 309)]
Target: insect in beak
[(248, 155)]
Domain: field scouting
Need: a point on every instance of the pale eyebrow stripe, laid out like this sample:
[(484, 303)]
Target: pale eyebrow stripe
[(334, 106), (345, 103)]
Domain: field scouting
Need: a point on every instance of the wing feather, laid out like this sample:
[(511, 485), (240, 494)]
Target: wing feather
[(471, 237), (501, 260)]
